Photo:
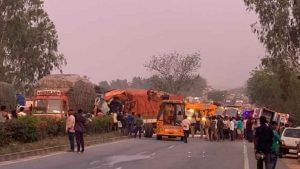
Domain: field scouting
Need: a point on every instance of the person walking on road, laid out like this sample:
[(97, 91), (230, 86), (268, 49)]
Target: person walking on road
[(275, 144), (206, 124), (239, 129), (249, 130), (213, 129), (79, 129), (70, 129), (263, 140), (220, 127), (231, 129), (138, 126), (130, 123), (186, 128)]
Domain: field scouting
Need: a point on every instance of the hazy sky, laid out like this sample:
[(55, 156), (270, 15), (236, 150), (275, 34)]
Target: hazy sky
[(109, 39)]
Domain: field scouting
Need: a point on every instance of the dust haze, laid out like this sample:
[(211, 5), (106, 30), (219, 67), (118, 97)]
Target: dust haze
[(110, 39)]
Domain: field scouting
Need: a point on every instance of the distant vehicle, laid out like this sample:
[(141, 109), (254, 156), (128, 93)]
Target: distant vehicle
[(271, 115), (289, 139)]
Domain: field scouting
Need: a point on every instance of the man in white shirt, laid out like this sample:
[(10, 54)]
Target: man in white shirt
[(186, 128), (21, 113), (231, 127), (70, 124)]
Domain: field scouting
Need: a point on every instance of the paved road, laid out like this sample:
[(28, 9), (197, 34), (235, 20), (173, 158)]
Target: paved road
[(149, 154)]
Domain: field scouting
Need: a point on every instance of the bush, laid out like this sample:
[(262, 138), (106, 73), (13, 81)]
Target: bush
[(30, 128), (23, 129), (99, 124)]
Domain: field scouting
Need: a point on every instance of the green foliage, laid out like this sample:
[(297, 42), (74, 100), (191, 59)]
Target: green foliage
[(7, 95), (28, 43), (174, 71), (23, 130), (30, 128), (278, 29), (263, 89), (99, 124), (119, 84)]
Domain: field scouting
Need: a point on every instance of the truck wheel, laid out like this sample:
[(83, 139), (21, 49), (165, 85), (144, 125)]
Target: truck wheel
[(148, 130), (159, 137)]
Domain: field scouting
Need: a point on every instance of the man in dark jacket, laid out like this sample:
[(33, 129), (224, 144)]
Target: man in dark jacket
[(220, 126), (263, 144), (79, 129)]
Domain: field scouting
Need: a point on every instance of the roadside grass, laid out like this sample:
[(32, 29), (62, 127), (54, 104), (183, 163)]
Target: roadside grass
[(51, 142)]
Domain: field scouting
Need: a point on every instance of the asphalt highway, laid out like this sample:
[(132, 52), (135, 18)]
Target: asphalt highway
[(149, 153)]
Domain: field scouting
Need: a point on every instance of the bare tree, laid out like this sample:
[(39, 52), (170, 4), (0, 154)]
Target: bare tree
[(173, 71)]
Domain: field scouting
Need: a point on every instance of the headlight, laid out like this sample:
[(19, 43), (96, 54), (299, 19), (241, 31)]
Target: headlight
[(203, 119)]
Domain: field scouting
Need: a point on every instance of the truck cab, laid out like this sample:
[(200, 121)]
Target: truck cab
[(171, 113), (50, 103)]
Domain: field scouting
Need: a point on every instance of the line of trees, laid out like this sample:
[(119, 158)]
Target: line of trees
[(28, 43), (275, 83), (171, 72)]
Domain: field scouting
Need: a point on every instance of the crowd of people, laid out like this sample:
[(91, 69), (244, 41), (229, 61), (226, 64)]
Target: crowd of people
[(264, 134), (218, 128)]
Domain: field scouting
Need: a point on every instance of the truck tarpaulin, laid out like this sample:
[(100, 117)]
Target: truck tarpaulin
[(140, 101)]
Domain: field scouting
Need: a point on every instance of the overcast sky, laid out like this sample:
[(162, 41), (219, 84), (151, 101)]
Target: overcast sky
[(109, 39)]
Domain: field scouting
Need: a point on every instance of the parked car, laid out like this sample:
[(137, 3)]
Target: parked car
[(289, 139)]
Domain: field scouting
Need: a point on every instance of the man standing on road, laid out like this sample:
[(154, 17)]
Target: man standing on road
[(139, 126), (262, 144), (186, 128), (79, 128), (220, 126), (213, 129), (231, 129), (275, 144), (239, 130), (70, 124)]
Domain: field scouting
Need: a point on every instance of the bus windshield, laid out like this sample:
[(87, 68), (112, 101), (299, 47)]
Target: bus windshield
[(47, 106), (172, 114)]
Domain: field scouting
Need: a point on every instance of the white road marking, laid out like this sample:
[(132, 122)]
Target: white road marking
[(119, 168), (49, 155), (171, 147), (153, 154), (30, 159), (246, 159), (94, 162)]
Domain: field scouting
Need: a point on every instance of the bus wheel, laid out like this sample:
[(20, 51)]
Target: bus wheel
[(159, 137), (148, 130)]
